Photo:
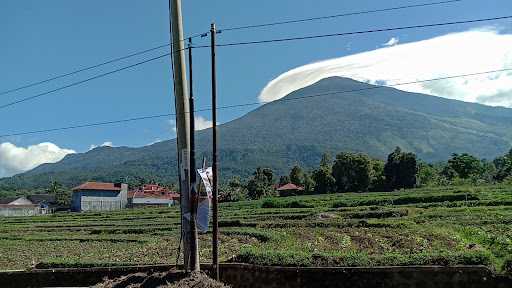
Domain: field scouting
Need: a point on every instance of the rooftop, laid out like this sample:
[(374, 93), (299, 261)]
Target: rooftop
[(40, 198), (289, 186), (8, 200), (98, 186), (18, 206)]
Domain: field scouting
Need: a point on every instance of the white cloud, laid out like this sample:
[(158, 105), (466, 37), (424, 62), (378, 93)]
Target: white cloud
[(202, 123), (104, 144), (452, 54), (392, 42), (14, 159)]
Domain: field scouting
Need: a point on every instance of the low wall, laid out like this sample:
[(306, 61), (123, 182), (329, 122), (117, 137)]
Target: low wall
[(22, 210), (244, 275)]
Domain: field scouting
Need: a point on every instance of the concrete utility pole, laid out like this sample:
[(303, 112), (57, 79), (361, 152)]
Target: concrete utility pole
[(215, 216), (182, 121)]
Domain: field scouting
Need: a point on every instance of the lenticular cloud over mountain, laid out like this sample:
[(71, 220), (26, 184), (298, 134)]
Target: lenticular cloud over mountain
[(466, 52)]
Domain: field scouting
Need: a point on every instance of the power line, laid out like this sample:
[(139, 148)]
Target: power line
[(86, 80), (83, 69), (254, 103), (337, 15), (360, 32), (260, 42), (81, 81), (88, 125)]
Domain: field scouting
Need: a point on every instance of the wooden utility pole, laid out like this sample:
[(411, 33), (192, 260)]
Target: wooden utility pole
[(215, 220), (194, 246), (182, 120)]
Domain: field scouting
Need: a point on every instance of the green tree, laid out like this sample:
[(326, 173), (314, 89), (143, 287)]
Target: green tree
[(297, 176), (488, 172), (283, 180), (261, 184), (62, 196), (378, 179), (428, 175), (503, 166), (464, 165), (352, 172), (400, 170), (233, 191), (309, 183), (326, 161), (324, 181)]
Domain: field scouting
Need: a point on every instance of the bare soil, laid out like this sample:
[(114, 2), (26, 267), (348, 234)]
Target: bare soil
[(161, 280)]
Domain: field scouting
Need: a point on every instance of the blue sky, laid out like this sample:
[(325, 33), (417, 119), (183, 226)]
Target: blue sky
[(46, 38)]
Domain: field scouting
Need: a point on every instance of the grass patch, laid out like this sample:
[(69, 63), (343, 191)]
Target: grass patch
[(378, 214), (285, 203), (405, 200), (354, 258)]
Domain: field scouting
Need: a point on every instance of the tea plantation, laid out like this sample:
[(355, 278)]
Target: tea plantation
[(440, 226)]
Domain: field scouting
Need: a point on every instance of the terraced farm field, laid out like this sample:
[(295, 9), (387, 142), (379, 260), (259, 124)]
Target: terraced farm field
[(444, 226)]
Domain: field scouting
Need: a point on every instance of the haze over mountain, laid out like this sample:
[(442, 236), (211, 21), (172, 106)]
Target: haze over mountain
[(297, 129)]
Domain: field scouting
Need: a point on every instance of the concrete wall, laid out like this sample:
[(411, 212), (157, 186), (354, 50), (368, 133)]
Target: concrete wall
[(99, 200), (100, 203), (20, 211), (244, 275), (250, 276)]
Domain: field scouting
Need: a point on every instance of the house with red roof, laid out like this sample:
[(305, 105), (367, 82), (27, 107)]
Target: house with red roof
[(99, 196), (152, 195), (290, 189)]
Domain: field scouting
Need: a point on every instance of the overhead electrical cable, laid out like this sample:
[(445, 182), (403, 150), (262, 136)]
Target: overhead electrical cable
[(255, 103), (257, 42), (2, 106), (376, 30), (337, 15), (83, 69)]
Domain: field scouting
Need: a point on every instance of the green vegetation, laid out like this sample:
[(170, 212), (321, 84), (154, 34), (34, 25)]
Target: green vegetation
[(360, 173), (442, 226)]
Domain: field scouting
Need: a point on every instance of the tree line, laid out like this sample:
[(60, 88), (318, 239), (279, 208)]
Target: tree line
[(358, 172)]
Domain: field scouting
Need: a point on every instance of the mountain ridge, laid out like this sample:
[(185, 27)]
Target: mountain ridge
[(298, 128)]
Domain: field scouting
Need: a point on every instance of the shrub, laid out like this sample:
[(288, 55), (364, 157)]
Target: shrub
[(404, 200), (353, 258), (507, 265), (434, 199), (235, 223), (277, 203), (378, 214), (272, 258), (363, 202), (258, 234)]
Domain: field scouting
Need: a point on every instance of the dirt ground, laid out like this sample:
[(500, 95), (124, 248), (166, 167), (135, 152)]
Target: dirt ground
[(161, 280)]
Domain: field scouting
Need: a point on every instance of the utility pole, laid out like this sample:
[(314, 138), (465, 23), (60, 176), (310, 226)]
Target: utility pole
[(215, 220), (182, 120), (194, 246)]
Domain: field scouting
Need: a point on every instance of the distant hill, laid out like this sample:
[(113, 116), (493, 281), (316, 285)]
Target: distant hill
[(283, 133)]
